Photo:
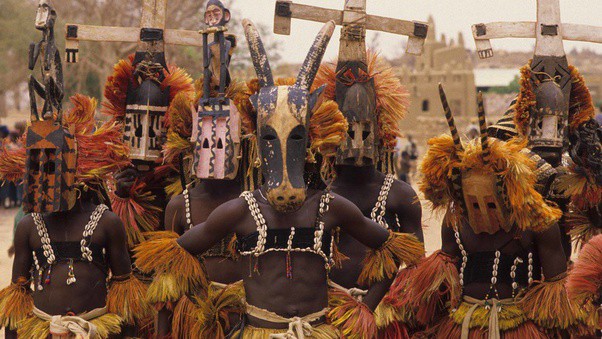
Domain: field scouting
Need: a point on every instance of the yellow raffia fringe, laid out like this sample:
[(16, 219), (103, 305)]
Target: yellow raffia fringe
[(127, 299), (353, 318), (528, 209), (16, 303), (176, 271), (547, 304), (324, 331), (328, 128), (182, 322), (36, 328), (400, 248), (213, 311), (510, 316)]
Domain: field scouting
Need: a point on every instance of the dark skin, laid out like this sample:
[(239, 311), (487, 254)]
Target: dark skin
[(553, 262), (205, 197), (361, 185), (270, 288), (89, 291)]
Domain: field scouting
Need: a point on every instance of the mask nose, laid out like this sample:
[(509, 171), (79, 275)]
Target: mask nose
[(286, 199)]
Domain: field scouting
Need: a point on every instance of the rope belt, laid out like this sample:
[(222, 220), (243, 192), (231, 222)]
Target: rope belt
[(78, 325), (298, 327), (495, 306), (357, 293)]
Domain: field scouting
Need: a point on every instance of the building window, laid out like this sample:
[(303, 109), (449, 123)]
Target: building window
[(425, 105)]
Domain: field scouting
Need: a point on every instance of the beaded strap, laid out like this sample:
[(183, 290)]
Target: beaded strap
[(494, 273), (262, 228), (187, 204), (381, 203), (89, 230), (47, 247), (262, 231)]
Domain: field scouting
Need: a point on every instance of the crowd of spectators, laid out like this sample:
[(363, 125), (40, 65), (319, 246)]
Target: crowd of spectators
[(10, 193)]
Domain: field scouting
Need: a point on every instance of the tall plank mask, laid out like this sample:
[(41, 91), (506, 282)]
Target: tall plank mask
[(283, 114), (49, 184)]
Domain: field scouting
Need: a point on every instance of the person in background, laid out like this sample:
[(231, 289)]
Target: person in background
[(404, 165)]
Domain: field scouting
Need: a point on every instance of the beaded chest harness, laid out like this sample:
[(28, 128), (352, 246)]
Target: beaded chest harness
[(49, 252), (219, 250), (494, 272), (380, 208), (262, 230)]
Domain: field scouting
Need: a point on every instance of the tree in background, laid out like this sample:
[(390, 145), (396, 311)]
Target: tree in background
[(96, 59)]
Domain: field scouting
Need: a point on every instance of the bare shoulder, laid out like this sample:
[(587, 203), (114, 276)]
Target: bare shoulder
[(232, 211), (24, 227), (403, 193), (111, 223), (176, 203)]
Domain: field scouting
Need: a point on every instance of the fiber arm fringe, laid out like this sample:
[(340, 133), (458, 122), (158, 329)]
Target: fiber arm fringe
[(400, 248), (547, 304), (584, 283), (433, 284), (127, 299), (176, 272), (16, 303)]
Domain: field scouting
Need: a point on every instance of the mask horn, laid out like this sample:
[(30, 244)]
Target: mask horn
[(450, 119), (483, 128), (313, 59), (258, 54)]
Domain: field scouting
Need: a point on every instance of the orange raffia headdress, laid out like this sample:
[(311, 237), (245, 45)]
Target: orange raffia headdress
[(392, 98), (116, 87), (100, 148)]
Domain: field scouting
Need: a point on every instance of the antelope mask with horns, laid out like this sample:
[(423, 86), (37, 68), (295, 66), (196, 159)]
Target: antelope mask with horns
[(283, 114)]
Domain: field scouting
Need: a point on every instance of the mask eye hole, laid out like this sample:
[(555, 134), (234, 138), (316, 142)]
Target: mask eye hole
[(365, 135), (491, 205), (351, 133), (269, 137), (220, 144), (296, 136), (49, 167), (205, 143), (475, 205)]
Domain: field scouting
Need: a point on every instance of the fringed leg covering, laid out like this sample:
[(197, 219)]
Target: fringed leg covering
[(354, 319)]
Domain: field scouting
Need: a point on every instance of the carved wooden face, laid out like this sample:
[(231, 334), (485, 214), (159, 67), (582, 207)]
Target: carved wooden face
[(283, 115), (217, 142), (49, 184), (549, 121), (144, 130), (357, 100), (484, 205), (216, 14), (45, 15)]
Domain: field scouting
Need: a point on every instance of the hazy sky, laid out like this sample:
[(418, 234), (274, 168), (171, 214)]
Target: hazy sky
[(451, 16)]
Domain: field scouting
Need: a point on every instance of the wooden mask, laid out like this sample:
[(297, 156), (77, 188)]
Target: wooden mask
[(283, 114), (354, 92), (144, 129), (216, 133), (49, 184), (479, 192), (548, 125)]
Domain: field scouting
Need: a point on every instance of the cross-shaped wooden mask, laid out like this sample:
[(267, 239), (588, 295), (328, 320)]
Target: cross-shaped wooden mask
[(547, 130), (355, 22), (151, 36), (548, 32)]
